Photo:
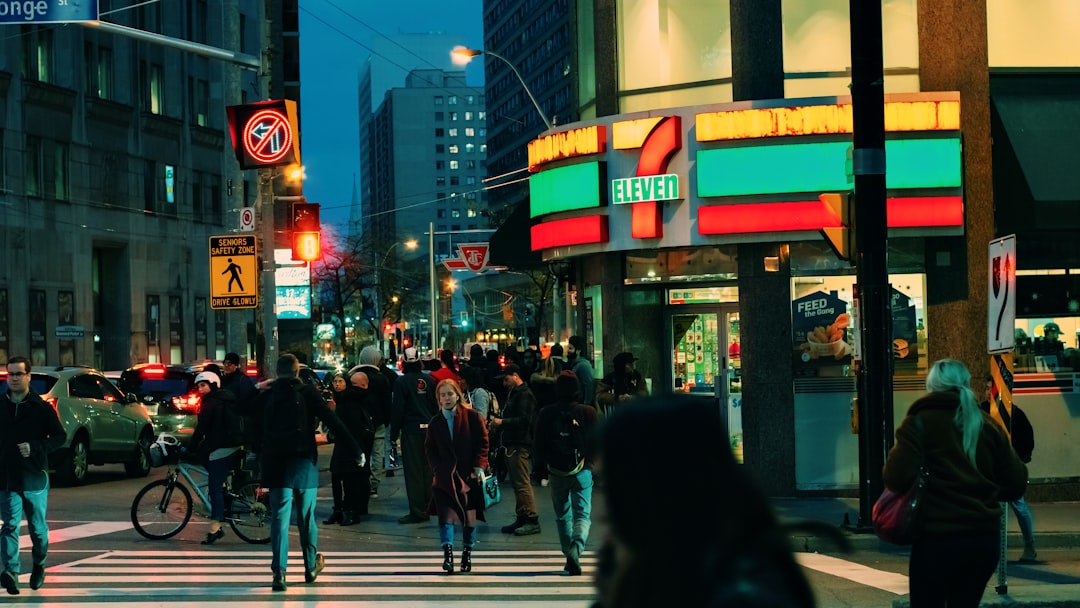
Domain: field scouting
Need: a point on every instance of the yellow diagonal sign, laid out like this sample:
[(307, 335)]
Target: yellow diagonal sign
[(234, 276)]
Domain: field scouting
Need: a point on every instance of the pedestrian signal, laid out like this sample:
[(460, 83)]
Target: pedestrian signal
[(305, 232)]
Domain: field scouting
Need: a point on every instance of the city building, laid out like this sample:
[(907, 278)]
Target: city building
[(686, 198), (115, 167)]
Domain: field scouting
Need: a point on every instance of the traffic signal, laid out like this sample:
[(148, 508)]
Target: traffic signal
[(264, 134), (305, 232)]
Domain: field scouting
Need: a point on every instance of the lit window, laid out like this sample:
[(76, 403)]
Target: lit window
[(453, 132), (455, 213), (454, 165), (468, 115), (481, 115), (438, 100), (453, 100), (470, 132), (470, 148), (453, 116), (453, 149)]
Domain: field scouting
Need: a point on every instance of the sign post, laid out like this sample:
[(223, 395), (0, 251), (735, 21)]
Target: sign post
[(234, 277)]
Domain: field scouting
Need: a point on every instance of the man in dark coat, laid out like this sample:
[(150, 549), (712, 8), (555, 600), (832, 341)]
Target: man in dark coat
[(29, 430), (290, 468), (1022, 436), (414, 406), (379, 402), (516, 431)]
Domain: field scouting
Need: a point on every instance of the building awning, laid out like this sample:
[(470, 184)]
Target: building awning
[(1043, 127), (510, 243)]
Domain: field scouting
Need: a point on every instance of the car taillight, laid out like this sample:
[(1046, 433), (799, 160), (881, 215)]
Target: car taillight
[(252, 372), (154, 370), (189, 403), (55, 403)]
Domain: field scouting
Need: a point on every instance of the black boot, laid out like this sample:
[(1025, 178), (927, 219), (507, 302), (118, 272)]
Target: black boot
[(347, 518), (334, 518), (520, 521), (466, 559), (448, 558)]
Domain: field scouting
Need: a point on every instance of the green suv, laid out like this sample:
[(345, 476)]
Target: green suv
[(102, 424)]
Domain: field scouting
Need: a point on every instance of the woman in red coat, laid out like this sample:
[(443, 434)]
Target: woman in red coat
[(457, 449)]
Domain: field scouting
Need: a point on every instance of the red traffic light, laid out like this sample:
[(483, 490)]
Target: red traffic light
[(306, 246)]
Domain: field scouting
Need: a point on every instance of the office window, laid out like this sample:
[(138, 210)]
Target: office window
[(440, 148), (455, 180), (453, 149), (470, 132), (439, 116), (453, 116), (470, 148), (440, 180), (199, 102), (438, 100), (197, 12), (454, 213), (468, 115), (454, 165), (151, 79), (440, 164), (482, 132), (453, 100), (470, 212), (453, 132), (45, 168), (439, 132), (455, 226), (470, 99), (480, 115), (38, 53), (470, 180), (149, 186), (104, 73), (441, 214), (470, 164)]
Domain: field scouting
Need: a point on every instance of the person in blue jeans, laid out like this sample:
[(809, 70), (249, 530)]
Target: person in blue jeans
[(29, 430), (1022, 436), (290, 464), (562, 441)]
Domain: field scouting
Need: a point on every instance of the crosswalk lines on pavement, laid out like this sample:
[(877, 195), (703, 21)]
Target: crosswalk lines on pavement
[(390, 578)]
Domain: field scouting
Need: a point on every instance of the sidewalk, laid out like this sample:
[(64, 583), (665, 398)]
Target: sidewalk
[(1057, 525)]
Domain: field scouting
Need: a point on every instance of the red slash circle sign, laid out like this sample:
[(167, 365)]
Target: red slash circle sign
[(267, 136)]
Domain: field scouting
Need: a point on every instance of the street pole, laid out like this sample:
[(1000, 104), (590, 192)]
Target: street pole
[(874, 380), (266, 335), (378, 308), (434, 291)]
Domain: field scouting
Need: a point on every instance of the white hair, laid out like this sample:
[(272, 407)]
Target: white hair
[(950, 375)]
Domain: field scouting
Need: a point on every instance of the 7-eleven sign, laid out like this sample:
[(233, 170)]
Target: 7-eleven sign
[(471, 256)]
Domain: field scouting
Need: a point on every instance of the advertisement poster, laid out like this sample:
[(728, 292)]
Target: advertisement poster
[(820, 324), (905, 336)]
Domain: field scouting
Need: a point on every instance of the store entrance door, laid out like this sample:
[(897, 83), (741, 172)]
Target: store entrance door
[(705, 360)]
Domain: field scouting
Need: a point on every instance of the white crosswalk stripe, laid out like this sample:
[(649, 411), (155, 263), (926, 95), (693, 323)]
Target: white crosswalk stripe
[(181, 579)]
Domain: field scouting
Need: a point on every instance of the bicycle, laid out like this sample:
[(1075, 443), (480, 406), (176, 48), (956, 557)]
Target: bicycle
[(163, 507)]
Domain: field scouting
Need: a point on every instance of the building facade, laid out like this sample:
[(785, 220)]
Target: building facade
[(686, 198)]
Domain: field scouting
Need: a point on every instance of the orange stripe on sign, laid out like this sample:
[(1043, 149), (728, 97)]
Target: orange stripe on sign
[(573, 231)]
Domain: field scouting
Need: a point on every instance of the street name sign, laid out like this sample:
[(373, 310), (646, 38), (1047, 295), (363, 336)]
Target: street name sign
[(47, 11), (234, 276)]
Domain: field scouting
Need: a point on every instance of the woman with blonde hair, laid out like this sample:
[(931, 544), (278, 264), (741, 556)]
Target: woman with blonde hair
[(972, 469), (457, 450)]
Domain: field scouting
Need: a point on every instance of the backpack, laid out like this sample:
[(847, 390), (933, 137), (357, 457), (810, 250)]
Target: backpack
[(566, 453), (493, 406), (286, 430)]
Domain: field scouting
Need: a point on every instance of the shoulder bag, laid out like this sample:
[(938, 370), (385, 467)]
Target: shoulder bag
[(897, 516)]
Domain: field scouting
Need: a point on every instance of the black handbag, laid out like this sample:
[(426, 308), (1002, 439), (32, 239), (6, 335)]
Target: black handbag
[(897, 516)]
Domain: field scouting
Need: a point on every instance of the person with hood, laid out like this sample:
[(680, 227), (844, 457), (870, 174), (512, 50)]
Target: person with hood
[(973, 468), (621, 384), (379, 401), (456, 447), (582, 368), (29, 430), (291, 411), (215, 445), (350, 483), (559, 427)]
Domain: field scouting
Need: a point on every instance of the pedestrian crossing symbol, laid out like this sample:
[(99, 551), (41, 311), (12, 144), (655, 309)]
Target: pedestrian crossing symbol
[(234, 273)]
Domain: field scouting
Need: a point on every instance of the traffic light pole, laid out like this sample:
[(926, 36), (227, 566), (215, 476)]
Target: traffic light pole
[(874, 380), (266, 334)]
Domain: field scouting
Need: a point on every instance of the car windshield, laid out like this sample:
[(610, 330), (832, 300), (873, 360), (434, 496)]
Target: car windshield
[(156, 386), (41, 384)]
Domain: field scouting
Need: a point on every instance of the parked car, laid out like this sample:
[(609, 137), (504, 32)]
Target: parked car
[(102, 425), (169, 394)]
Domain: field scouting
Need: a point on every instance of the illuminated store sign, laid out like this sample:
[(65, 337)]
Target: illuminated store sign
[(641, 189), (568, 144)]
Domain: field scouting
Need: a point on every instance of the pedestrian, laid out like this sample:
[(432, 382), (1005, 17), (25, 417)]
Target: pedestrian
[(476, 356), (1022, 436), (650, 557), (582, 368), (972, 467), (350, 484), (378, 401), (477, 396), (515, 431), (621, 384), (29, 430), (291, 410), (216, 444), (563, 431), (234, 379), (555, 356), (456, 446), (414, 407), (448, 369)]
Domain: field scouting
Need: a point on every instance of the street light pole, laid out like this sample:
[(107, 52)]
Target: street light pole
[(410, 244), (463, 54), (434, 291)]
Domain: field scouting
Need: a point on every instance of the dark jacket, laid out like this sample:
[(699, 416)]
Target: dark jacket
[(239, 384), (35, 422), (1022, 435), (274, 467), (960, 497), (516, 429), (453, 460), (210, 431), (379, 398), (543, 388), (584, 372), (414, 404), (586, 418), (354, 414)]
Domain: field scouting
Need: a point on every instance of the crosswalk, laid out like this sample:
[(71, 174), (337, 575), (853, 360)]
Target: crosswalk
[(182, 579)]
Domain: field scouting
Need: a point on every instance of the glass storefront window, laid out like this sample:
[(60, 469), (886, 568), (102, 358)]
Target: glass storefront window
[(823, 332), (1047, 345), (1019, 35)]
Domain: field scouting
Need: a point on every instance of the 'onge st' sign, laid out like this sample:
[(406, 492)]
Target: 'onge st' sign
[(48, 11)]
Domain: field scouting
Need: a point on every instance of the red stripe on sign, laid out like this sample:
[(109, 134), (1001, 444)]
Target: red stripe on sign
[(573, 231)]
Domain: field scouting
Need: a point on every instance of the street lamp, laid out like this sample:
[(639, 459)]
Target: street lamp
[(462, 55), (409, 244)]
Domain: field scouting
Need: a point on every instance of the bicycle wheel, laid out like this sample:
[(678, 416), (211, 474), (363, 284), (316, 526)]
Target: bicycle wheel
[(161, 509), (249, 513)]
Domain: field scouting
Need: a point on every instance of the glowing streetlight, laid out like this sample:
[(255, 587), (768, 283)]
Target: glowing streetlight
[(462, 55)]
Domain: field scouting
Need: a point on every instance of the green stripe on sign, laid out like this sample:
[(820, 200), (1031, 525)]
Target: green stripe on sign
[(822, 167), (570, 187)]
